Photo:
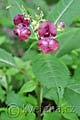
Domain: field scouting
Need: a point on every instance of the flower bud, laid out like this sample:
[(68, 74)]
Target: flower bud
[(61, 26)]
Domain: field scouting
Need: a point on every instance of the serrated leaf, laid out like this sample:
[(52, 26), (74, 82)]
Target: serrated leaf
[(6, 58), (50, 71), (28, 87), (68, 40), (72, 96), (65, 10)]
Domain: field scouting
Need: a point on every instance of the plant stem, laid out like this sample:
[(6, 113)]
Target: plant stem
[(39, 100)]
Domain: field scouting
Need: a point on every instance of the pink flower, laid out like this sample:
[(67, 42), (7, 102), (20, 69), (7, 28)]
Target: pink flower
[(47, 29), (20, 19), (23, 32), (48, 45), (22, 29)]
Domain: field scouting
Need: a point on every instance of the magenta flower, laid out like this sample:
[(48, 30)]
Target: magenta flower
[(48, 45), (21, 19), (22, 29), (47, 29), (23, 32), (18, 19)]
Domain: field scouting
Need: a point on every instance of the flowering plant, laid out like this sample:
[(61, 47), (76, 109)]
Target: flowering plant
[(40, 79)]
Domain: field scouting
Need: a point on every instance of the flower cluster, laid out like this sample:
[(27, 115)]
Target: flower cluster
[(46, 31), (22, 29)]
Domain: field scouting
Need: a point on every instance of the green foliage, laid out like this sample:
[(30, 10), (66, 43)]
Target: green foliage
[(2, 94), (52, 116), (29, 116), (29, 55), (52, 94), (15, 7), (67, 10), (28, 87), (77, 74), (70, 116), (6, 58), (69, 40), (24, 71), (15, 99), (2, 39), (3, 81), (72, 95), (38, 4), (50, 71)]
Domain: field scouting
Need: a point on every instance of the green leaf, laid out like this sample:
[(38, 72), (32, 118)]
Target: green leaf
[(19, 62), (21, 7), (3, 81), (6, 58), (67, 59), (28, 87), (15, 7), (31, 100), (15, 99), (50, 71), (13, 113), (12, 71), (30, 116), (8, 22), (72, 96), (29, 55), (51, 94), (65, 10), (2, 39), (68, 40), (77, 74), (38, 3), (2, 94), (52, 116), (70, 116)]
